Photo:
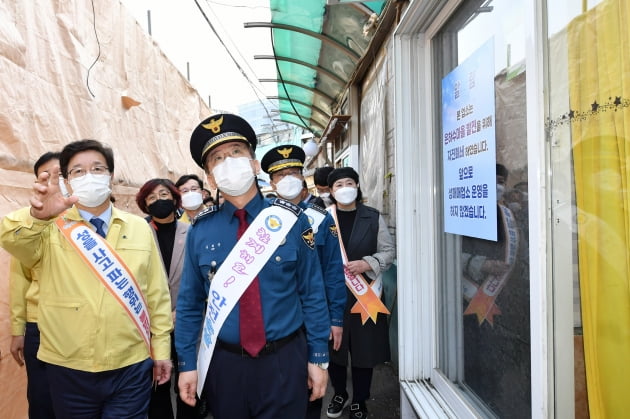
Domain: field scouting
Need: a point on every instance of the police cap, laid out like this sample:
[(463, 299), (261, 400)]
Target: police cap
[(281, 157), (219, 129)]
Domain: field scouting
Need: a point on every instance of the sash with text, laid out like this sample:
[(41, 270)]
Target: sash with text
[(368, 297), (482, 303), (246, 259), (315, 218), (110, 270)]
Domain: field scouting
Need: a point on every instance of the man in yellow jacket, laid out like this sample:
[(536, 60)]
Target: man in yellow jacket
[(104, 305), (23, 301)]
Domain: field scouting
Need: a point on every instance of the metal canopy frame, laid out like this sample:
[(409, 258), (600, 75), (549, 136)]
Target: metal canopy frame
[(308, 105), (317, 68), (341, 47), (303, 86), (318, 47), (322, 126), (317, 132)]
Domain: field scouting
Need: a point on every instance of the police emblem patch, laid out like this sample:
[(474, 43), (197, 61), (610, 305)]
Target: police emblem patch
[(309, 238), (273, 223), (333, 230)]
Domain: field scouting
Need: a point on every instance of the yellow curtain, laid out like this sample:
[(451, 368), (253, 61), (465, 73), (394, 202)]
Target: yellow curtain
[(599, 89)]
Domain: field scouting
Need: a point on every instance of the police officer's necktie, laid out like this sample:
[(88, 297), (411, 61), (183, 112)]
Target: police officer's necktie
[(252, 328), (98, 223)]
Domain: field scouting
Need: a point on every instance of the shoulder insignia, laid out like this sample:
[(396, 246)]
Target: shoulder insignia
[(333, 230), (318, 208), (309, 238), (287, 205), (203, 214)]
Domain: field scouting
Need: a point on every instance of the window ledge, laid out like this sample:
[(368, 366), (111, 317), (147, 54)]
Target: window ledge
[(425, 400)]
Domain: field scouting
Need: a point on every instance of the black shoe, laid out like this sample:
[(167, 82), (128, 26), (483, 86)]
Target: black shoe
[(336, 405), (357, 411)]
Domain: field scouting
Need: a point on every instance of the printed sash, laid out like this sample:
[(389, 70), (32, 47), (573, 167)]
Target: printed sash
[(483, 298), (368, 297), (110, 270), (315, 218), (247, 258)]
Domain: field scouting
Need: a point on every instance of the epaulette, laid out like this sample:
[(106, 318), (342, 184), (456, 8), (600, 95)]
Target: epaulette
[(318, 208), (287, 205), (202, 214)]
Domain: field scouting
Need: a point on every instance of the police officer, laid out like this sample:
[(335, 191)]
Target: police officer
[(285, 164), (269, 379)]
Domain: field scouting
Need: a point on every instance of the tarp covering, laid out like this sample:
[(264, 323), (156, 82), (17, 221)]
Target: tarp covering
[(64, 69)]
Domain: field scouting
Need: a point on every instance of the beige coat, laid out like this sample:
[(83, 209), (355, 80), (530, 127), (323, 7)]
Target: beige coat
[(177, 260)]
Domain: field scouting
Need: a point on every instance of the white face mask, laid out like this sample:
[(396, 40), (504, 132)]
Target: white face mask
[(289, 187), (92, 190), (346, 195), (234, 176), (192, 200), (325, 196)]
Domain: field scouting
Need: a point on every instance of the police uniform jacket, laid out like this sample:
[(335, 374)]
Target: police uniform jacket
[(370, 240), (291, 286), (82, 325), (329, 252)]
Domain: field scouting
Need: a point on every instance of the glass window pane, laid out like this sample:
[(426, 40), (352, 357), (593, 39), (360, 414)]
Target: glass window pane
[(484, 284)]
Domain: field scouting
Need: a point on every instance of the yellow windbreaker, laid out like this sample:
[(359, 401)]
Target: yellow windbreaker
[(82, 325), (23, 296)]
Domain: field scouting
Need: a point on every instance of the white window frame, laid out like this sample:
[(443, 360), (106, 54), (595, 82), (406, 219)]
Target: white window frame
[(425, 392)]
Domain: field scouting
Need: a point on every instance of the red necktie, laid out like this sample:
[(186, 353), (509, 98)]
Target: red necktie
[(252, 328)]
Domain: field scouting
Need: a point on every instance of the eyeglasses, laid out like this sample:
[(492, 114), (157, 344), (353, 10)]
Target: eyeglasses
[(78, 172), (236, 150), (281, 174), (163, 194), (193, 189)]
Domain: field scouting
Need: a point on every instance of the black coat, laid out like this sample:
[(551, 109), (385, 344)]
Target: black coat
[(368, 343)]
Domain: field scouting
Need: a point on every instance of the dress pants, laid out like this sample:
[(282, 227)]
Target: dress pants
[(122, 393), (37, 388), (271, 386)]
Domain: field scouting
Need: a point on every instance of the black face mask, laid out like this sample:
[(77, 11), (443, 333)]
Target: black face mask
[(161, 208)]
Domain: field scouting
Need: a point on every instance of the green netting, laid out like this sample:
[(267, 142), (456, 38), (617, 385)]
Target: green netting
[(310, 15)]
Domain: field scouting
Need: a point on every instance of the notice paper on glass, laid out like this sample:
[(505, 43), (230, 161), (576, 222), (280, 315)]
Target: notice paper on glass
[(469, 147)]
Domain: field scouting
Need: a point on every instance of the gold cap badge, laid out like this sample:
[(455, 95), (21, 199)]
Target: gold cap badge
[(285, 152), (214, 125)]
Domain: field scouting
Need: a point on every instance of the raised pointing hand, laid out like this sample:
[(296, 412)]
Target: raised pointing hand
[(47, 200)]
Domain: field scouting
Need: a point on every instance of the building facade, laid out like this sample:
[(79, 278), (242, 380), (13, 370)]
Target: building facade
[(533, 321)]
